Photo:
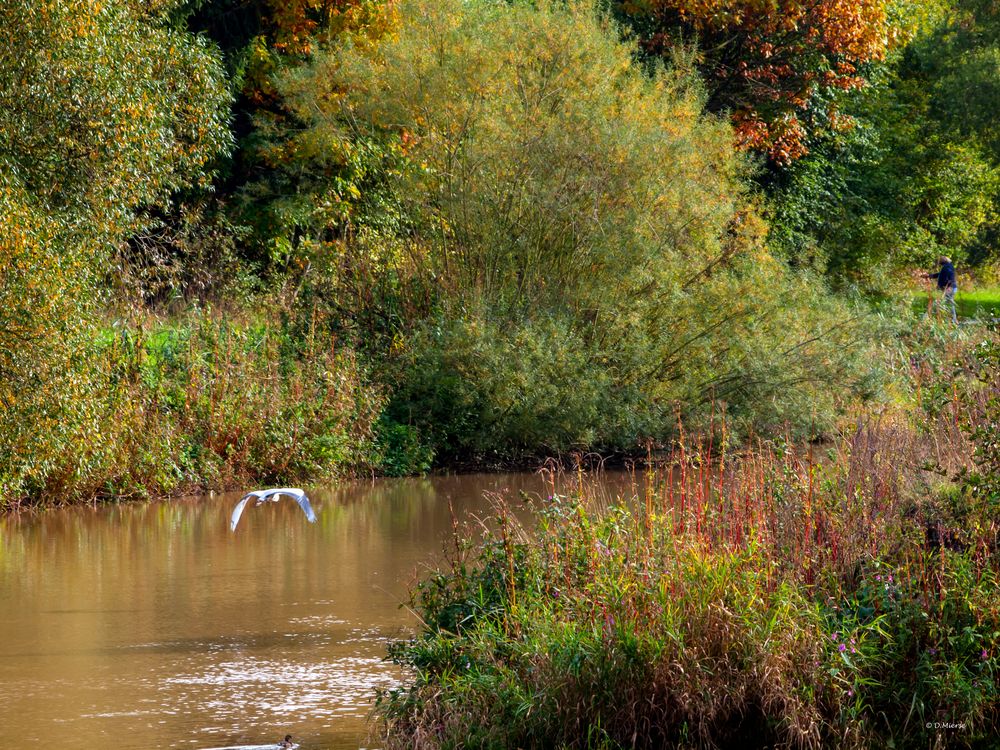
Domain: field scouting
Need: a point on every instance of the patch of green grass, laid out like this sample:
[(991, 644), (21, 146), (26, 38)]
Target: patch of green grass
[(975, 303)]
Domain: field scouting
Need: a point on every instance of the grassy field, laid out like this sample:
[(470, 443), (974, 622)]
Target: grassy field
[(975, 303)]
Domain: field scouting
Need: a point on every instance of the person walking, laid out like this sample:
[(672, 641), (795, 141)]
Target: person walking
[(947, 284)]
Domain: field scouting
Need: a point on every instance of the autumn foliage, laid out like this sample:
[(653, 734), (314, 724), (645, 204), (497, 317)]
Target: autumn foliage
[(295, 26), (577, 223), (771, 63), (106, 112), (292, 30)]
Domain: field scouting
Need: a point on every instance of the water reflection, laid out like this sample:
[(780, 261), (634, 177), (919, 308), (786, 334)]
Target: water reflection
[(152, 626)]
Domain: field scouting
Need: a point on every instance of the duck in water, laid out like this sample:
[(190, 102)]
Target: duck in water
[(285, 744)]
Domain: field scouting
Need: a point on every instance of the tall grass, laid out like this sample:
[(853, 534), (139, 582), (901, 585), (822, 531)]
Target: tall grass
[(791, 597), (208, 401)]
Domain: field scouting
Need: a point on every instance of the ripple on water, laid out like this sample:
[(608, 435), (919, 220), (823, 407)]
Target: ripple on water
[(260, 689)]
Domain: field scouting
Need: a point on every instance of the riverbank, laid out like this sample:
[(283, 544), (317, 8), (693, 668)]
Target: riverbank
[(752, 601), (337, 294), (201, 401)]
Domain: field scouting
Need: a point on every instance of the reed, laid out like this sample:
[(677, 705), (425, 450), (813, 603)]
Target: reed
[(211, 401), (782, 596)]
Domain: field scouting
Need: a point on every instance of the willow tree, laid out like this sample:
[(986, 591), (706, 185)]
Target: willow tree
[(585, 225), (103, 110)]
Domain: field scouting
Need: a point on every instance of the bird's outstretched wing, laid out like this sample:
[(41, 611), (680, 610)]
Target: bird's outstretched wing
[(238, 510), (303, 502), (300, 497)]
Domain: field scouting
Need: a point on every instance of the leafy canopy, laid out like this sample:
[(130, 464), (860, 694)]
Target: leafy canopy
[(775, 65), (582, 224), (919, 174), (103, 110)]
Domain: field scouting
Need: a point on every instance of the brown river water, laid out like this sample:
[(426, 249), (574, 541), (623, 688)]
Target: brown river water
[(150, 625)]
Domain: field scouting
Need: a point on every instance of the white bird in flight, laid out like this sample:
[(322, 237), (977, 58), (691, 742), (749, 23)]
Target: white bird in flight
[(272, 496)]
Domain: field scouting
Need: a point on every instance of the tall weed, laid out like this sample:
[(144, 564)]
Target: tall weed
[(210, 402), (778, 597)]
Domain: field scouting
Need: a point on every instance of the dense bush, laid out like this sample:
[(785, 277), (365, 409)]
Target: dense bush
[(106, 111), (579, 227), (486, 388), (45, 345), (778, 602), (240, 400), (205, 402)]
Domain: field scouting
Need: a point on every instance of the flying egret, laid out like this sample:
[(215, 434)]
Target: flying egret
[(271, 496)]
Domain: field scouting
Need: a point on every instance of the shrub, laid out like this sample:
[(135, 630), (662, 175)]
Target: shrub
[(46, 380), (107, 111), (583, 230), (774, 602), (208, 401), (400, 449), (479, 392), (587, 636)]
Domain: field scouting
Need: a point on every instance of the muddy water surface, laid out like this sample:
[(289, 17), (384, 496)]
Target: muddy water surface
[(152, 626)]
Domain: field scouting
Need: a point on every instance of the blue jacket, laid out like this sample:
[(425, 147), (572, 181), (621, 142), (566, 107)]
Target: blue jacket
[(945, 277)]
